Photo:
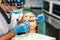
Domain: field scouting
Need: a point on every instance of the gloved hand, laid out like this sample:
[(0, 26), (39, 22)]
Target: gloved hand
[(23, 27), (40, 18)]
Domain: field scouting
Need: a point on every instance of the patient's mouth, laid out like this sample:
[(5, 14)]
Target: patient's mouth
[(31, 20)]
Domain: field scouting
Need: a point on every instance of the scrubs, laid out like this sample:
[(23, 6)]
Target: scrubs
[(4, 27)]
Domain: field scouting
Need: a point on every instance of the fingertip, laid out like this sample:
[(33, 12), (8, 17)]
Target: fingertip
[(26, 21)]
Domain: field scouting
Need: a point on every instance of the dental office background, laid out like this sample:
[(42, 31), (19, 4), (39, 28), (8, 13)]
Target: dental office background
[(35, 3), (50, 8)]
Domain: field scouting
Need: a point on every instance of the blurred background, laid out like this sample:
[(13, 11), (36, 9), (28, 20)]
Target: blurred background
[(51, 9)]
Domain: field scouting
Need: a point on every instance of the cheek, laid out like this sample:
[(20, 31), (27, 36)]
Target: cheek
[(33, 17), (27, 18)]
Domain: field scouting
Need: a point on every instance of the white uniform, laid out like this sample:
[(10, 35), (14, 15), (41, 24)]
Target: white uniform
[(4, 27)]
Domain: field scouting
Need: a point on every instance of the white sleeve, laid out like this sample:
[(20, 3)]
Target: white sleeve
[(4, 28)]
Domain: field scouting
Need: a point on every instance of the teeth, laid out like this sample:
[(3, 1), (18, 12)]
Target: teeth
[(31, 20)]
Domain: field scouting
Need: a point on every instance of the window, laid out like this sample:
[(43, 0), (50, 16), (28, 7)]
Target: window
[(56, 9), (46, 5)]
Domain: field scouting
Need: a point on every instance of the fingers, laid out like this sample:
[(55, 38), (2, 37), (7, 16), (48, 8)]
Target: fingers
[(25, 21), (40, 15), (40, 18), (27, 24)]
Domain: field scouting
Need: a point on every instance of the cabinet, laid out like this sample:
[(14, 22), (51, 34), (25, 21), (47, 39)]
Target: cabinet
[(36, 3), (33, 3), (27, 4)]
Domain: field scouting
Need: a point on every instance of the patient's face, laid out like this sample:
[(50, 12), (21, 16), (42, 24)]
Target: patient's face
[(31, 18)]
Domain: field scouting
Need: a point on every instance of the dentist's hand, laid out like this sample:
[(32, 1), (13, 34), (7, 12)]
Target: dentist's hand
[(40, 18), (23, 27)]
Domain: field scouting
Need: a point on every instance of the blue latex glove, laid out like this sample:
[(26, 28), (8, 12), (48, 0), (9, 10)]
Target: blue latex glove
[(23, 27), (40, 18)]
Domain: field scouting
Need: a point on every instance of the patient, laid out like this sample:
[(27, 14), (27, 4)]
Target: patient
[(31, 18)]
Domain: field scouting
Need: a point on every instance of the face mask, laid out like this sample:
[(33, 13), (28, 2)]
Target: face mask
[(16, 11)]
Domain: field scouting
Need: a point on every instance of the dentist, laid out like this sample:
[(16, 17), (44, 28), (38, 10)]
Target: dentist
[(6, 32)]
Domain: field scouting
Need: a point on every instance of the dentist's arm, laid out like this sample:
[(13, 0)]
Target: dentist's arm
[(24, 27), (7, 36)]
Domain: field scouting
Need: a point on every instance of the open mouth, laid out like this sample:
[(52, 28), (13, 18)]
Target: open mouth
[(31, 20)]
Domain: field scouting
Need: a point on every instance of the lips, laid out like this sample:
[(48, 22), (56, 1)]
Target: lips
[(31, 20)]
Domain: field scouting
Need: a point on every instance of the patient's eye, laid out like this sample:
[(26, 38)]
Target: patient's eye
[(33, 16), (26, 16)]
